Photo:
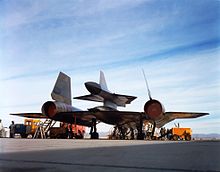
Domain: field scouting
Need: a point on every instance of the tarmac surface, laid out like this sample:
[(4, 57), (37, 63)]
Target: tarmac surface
[(51, 155)]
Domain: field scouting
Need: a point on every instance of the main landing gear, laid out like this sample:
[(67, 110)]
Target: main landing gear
[(152, 134), (93, 131), (140, 134), (122, 133)]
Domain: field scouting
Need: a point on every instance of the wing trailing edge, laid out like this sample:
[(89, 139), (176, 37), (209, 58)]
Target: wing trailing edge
[(170, 116), (90, 97), (118, 99), (122, 100)]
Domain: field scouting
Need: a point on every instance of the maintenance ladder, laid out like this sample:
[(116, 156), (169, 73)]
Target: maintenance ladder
[(43, 128)]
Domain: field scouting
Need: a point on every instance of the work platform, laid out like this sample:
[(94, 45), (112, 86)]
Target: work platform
[(51, 155)]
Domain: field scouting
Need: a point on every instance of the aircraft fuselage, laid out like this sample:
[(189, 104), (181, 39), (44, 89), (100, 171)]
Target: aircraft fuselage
[(96, 89)]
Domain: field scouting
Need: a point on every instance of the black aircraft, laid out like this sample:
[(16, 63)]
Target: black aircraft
[(61, 108)]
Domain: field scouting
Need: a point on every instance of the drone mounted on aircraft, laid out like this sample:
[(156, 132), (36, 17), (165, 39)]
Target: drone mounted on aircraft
[(61, 108)]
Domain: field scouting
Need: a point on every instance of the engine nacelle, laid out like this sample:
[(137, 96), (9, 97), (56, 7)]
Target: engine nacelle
[(51, 108), (154, 109)]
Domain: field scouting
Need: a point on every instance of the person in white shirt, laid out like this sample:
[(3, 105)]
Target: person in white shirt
[(1, 129)]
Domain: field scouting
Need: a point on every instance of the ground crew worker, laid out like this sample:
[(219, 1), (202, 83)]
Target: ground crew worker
[(12, 129), (70, 131)]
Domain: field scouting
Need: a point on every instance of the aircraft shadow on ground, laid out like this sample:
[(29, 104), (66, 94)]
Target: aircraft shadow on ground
[(185, 156)]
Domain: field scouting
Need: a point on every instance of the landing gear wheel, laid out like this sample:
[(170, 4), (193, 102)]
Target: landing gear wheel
[(94, 135), (140, 135)]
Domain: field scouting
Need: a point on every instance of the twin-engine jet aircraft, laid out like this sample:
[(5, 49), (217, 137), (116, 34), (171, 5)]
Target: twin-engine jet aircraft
[(61, 108)]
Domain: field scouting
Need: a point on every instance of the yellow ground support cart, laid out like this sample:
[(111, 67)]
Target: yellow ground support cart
[(181, 133)]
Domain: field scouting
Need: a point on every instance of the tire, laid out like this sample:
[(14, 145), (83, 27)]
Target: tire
[(23, 135), (94, 135), (188, 137), (175, 137)]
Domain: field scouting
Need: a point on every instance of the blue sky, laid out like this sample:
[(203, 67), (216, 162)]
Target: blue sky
[(175, 42)]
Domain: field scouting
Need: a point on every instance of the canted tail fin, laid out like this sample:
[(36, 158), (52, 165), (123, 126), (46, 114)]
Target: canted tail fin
[(62, 89), (102, 81)]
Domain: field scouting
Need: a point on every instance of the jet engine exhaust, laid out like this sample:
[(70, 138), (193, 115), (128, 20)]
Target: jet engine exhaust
[(50, 108), (154, 109)]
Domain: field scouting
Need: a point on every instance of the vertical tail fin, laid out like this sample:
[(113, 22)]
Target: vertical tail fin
[(102, 81), (62, 89)]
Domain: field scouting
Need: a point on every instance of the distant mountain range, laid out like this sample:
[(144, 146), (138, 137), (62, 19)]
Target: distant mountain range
[(212, 136), (206, 136)]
